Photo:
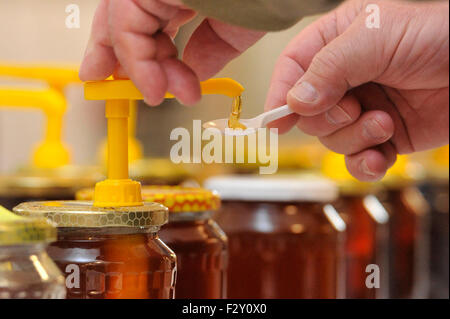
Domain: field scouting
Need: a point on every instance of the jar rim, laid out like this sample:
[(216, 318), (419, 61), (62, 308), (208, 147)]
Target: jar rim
[(84, 214)]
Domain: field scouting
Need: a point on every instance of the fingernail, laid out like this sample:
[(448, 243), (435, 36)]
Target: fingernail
[(365, 168), (337, 115), (305, 92), (374, 130)]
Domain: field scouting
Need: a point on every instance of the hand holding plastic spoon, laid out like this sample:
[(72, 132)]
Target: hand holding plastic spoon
[(253, 124)]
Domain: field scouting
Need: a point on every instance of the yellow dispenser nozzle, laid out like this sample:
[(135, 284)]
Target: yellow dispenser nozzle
[(57, 76), (125, 89), (118, 190), (51, 152)]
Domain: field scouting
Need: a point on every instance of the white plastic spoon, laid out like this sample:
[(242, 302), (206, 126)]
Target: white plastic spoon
[(253, 124)]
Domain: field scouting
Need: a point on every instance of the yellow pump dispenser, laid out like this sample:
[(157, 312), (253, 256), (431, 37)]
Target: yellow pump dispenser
[(118, 190), (51, 152)]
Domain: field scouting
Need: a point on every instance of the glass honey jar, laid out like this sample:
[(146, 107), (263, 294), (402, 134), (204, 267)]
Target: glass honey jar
[(409, 213), (26, 270), (199, 243), (109, 253), (285, 239), (367, 237), (436, 191)]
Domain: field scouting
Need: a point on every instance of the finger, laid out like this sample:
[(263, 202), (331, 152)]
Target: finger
[(367, 166), (293, 62), (390, 153), (158, 8), (165, 48), (182, 17), (371, 129), (99, 59), (213, 44), (346, 112), (132, 31), (286, 73), (337, 67), (182, 81)]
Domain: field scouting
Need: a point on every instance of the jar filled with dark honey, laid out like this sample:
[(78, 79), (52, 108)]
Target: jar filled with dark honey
[(199, 243), (285, 239), (436, 191), (409, 254), (367, 240), (26, 270), (197, 240), (109, 253)]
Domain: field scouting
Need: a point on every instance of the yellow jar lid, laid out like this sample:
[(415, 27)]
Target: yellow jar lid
[(177, 199), (17, 230), (83, 214)]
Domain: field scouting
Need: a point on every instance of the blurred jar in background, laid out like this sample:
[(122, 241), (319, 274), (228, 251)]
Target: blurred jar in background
[(158, 171), (285, 240), (367, 231), (34, 184), (199, 243), (409, 230), (109, 253), (26, 271), (436, 191)]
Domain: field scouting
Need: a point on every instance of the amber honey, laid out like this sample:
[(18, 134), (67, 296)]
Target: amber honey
[(109, 253), (285, 241), (199, 243)]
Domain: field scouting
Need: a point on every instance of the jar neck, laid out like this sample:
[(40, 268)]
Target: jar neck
[(189, 216)]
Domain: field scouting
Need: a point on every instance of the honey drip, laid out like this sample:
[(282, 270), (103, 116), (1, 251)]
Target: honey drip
[(233, 121)]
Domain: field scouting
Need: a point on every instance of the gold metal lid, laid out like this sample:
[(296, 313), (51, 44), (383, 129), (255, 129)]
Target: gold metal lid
[(83, 214), (60, 182), (17, 230)]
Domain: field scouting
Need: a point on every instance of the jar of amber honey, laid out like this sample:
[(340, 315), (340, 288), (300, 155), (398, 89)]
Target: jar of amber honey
[(436, 191), (367, 240), (109, 253), (199, 243), (26, 270), (285, 239), (197, 240), (409, 214)]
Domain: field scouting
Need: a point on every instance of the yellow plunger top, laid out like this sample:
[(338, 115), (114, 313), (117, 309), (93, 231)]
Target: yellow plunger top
[(118, 190)]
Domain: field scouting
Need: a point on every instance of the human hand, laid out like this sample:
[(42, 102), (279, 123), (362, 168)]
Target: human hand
[(134, 39), (365, 92)]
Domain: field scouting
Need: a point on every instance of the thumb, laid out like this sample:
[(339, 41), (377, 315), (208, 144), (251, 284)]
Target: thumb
[(345, 62)]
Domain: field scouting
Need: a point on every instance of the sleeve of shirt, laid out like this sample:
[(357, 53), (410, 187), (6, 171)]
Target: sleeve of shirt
[(264, 15)]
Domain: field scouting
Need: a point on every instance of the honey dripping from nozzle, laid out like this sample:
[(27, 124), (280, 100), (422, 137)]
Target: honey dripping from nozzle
[(233, 121)]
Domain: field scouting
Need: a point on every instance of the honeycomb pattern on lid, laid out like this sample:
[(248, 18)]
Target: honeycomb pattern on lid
[(84, 214)]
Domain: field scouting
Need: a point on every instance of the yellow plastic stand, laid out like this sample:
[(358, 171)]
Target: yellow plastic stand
[(57, 76), (51, 152), (118, 190)]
